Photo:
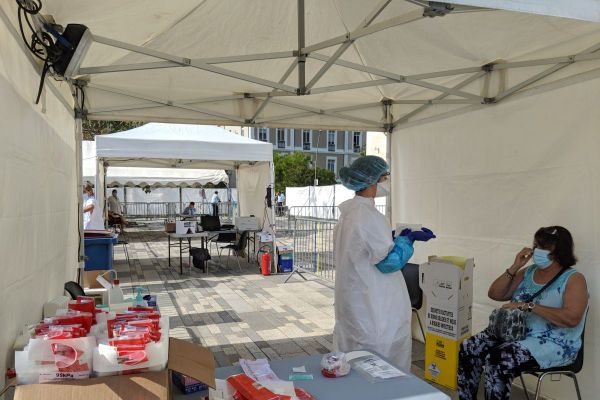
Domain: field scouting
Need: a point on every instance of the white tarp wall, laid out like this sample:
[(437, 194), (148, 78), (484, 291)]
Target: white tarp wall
[(485, 181), (38, 202), (163, 195), (320, 201), (252, 181)]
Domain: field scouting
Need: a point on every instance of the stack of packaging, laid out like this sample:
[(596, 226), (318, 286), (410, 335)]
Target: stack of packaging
[(83, 341)]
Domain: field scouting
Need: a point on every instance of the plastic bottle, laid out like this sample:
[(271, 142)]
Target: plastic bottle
[(139, 299), (115, 294)]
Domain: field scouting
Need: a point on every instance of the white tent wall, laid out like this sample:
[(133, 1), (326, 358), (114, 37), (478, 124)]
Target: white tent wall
[(321, 199), (485, 181), (38, 200), (253, 181)]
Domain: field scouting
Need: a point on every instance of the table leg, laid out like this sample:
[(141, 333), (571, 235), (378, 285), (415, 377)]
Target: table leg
[(190, 255), (169, 236), (180, 258)]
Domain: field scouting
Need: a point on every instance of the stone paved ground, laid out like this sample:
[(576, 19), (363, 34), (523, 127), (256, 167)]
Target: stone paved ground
[(237, 314)]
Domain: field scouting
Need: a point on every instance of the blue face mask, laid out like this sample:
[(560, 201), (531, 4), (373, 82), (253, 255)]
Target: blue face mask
[(541, 258)]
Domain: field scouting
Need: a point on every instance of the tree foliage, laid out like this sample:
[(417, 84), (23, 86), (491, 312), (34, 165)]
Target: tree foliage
[(92, 128), (294, 169)]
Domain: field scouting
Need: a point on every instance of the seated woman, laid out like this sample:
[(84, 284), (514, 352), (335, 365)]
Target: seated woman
[(555, 318)]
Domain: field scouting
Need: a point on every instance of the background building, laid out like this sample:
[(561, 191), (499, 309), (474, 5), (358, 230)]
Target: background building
[(331, 149)]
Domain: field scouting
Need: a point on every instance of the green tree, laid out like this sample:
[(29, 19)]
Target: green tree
[(92, 128), (294, 169)]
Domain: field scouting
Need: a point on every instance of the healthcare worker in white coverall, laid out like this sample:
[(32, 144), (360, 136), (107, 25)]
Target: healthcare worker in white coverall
[(372, 306)]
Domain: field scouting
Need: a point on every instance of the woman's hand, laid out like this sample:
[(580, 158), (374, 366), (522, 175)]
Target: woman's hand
[(521, 259), (514, 305)]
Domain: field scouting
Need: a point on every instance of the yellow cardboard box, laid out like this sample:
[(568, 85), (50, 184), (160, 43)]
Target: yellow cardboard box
[(447, 283)]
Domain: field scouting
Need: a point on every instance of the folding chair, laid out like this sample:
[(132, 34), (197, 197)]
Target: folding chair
[(411, 276), (238, 248), (569, 370)]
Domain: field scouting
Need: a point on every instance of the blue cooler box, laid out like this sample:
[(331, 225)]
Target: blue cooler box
[(99, 252), (286, 265)]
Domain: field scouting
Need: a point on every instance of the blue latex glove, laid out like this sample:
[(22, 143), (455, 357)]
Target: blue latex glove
[(405, 232), (398, 257), (422, 236)]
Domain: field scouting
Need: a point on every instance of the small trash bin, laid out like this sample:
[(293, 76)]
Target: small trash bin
[(99, 252)]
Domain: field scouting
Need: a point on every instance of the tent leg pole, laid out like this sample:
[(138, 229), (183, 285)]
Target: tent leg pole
[(79, 174)]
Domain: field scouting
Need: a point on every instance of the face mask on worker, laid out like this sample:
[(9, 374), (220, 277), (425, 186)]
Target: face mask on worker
[(541, 258), (383, 189)]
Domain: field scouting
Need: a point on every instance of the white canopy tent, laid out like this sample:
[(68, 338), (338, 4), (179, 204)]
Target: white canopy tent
[(490, 111), (152, 177), (183, 147)]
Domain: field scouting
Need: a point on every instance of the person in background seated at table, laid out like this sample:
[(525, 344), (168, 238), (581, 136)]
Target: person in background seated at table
[(92, 213), (115, 211), (215, 204), (190, 210), (555, 319)]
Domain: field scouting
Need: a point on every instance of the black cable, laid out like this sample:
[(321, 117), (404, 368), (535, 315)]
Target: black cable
[(42, 79)]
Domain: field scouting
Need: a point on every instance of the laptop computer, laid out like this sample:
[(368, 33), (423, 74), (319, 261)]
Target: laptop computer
[(210, 223)]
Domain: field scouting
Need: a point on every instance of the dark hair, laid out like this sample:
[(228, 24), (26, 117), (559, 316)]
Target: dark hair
[(192, 203), (562, 241), (114, 190)]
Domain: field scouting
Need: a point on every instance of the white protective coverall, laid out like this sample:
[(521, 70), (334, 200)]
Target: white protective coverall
[(372, 309)]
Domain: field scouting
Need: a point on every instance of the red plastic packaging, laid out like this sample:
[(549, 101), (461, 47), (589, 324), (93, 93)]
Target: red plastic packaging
[(251, 390)]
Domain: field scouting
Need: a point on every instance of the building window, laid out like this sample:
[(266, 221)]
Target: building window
[(280, 138), (306, 139), (331, 164), (331, 139), (263, 134), (357, 142)]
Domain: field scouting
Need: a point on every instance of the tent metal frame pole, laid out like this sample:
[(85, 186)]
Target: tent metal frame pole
[(441, 97), (508, 92), (340, 50), (154, 105), (361, 32), (301, 43), (266, 101), (166, 102), (172, 64), (193, 63), (332, 113)]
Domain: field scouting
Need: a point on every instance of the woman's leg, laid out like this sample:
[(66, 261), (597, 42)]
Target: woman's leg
[(503, 364), (473, 352)]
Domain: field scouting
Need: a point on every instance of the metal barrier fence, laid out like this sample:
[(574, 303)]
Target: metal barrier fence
[(286, 218), (157, 210), (313, 247)]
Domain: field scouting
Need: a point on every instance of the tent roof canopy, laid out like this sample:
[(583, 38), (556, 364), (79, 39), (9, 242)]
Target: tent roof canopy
[(153, 177), (330, 64), (160, 145)]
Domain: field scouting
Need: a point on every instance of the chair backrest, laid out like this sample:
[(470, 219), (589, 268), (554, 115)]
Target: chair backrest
[(210, 223), (74, 289), (578, 363), (411, 276)]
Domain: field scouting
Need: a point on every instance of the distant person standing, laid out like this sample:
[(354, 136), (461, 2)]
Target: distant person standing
[(92, 213), (115, 211), (215, 204), (280, 203)]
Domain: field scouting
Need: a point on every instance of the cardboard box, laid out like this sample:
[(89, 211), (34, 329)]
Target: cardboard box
[(89, 279), (184, 357), (170, 227), (447, 283), (185, 227)]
